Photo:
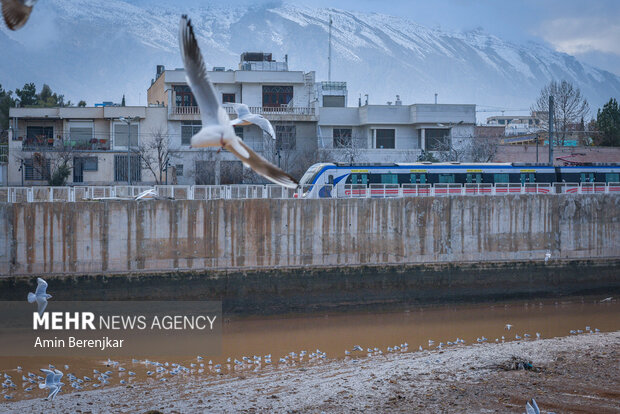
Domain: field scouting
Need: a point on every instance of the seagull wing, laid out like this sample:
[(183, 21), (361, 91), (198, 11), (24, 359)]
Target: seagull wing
[(241, 109), (263, 123), (529, 409), (15, 13), (57, 376), (49, 378), (41, 287), (41, 304), (211, 112), (262, 166)]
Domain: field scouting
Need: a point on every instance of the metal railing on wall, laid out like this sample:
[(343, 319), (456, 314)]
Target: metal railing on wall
[(240, 192)]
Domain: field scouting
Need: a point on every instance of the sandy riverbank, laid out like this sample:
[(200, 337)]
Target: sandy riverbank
[(571, 374)]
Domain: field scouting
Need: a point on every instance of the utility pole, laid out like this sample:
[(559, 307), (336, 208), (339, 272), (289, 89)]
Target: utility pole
[(128, 122), (551, 130), (329, 55)]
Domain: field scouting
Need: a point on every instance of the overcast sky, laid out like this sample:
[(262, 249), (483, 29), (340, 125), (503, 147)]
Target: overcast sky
[(589, 30)]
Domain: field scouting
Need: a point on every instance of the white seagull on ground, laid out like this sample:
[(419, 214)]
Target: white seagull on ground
[(16, 12), (40, 296), (217, 130), (245, 117)]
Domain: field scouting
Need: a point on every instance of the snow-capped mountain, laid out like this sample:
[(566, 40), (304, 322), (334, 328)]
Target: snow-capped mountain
[(99, 49)]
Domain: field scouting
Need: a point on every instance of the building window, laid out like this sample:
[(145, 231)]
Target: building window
[(184, 96), (239, 131), (228, 98), (179, 170), (120, 168), (36, 168), (231, 172), (286, 137), (342, 137), (37, 136), (333, 101), (437, 139), (121, 134), (188, 130), (277, 96), (386, 138), (204, 172), (81, 136)]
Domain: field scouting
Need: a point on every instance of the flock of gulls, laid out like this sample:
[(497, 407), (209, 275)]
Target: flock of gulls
[(131, 372)]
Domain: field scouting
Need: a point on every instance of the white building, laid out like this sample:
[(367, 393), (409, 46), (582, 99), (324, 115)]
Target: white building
[(312, 122), (92, 140), (393, 133), (287, 98)]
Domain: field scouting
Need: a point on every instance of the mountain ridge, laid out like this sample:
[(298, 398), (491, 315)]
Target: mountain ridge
[(99, 50)]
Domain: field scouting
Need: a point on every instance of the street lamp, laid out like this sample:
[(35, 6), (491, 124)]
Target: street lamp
[(128, 121)]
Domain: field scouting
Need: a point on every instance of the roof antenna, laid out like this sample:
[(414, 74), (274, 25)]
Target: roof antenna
[(329, 55)]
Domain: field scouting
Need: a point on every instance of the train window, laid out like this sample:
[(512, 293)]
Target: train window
[(446, 178), (364, 178), (586, 177), (389, 179), (330, 179), (501, 178), (612, 177)]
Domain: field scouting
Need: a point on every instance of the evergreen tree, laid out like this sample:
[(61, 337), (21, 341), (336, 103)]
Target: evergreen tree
[(82, 104), (27, 95), (6, 102), (608, 124), (123, 101)]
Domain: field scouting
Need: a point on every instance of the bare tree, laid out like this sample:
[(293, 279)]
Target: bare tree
[(52, 164), (155, 155), (483, 149), (570, 107)]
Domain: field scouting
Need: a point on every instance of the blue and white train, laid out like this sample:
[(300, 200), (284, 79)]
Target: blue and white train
[(321, 180)]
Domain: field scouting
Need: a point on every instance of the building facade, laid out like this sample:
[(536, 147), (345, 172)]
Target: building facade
[(91, 141), (286, 98), (311, 119)]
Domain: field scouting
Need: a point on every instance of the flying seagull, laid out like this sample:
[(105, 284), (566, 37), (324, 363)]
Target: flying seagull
[(40, 296), (52, 381), (245, 117), (217, 130), (16, 12), (531, 407)]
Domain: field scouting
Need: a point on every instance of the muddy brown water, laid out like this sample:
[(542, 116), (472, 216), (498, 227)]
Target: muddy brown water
[(335, 333)]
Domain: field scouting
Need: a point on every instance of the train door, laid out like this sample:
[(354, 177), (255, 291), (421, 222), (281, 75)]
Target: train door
[(586, 178), (418, 178), (527, 178), (473, 178)]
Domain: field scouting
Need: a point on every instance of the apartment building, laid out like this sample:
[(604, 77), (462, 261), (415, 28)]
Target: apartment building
[(285, 97), (93, 142), (393, 132)]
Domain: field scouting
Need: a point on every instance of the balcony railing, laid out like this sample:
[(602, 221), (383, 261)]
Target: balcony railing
[(95, 142), (261, 110)]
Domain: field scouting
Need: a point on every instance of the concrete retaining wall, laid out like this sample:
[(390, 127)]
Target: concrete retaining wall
[(144, 237)]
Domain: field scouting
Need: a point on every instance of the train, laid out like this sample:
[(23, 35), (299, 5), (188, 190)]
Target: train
[(323, 179)]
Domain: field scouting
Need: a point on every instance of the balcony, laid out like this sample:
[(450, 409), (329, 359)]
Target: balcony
[(97, 142), (283, 113)]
